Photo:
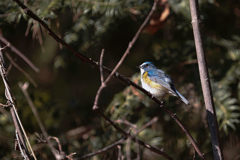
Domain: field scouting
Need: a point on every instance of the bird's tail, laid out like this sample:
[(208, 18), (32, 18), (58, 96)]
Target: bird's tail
[(182, 98)]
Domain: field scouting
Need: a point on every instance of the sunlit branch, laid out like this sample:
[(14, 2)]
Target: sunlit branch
[(205, 81)]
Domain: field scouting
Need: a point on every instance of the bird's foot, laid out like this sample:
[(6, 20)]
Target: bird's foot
[(150, 94)]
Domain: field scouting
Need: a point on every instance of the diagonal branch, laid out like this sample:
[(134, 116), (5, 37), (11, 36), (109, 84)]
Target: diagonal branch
[(2, 39), (138, 141), (20, 69), (102, 150), (51, 33), (24, 88), (20, 131), (103, 84), (155, 119), (133, 40), (116, 75)]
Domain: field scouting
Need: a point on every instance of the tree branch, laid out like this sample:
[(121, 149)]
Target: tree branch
[(20, 131), (102, 150), (2, 39), (133, 138), (20, 69), (205, 81), (103, 84), (35, 112)]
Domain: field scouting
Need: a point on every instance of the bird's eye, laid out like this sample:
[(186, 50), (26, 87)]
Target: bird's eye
[(146, 65)]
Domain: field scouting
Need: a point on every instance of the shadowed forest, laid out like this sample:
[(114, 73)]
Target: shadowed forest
[(54, 85)]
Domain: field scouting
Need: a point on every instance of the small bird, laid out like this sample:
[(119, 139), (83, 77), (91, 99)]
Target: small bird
[(157, 82)]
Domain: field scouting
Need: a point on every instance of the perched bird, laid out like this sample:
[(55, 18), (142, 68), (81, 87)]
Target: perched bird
[(157, 82)]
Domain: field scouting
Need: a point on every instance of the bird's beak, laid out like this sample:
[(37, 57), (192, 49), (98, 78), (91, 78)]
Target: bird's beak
[(139, 67)]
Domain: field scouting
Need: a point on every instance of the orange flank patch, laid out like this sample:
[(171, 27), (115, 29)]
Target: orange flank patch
[(152, 84), (153, 87)]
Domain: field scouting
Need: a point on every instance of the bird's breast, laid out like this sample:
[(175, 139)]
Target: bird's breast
[(152, 87)]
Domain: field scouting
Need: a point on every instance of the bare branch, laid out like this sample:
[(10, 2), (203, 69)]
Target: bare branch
[(59, 144), (17, 144), (133, 40), (133, 138), (103, 83), (205, 81), (4, 112), (9, 68), (7, 45), (95, 106), (118, 142), (70, 156), (20, 69), (20, 131), (119, 152), (127, 123), (101, 60), (24, 88), (138, 152), (2, 39), (78, 131), (102, 150), (128, 149), (155, 119)]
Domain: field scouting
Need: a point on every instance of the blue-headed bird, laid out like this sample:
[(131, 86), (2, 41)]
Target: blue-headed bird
[(158, 83)]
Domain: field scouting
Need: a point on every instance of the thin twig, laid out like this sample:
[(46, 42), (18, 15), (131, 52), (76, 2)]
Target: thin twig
[(133, 40), (119, 152), (58, 142), (116, 75), (205, 81), (128, 149), (194, 154), (17, 122), (155, 119), (95, 106), (24, 88), (70, 156), (119, 142), (9, 68), (20, 54), (127, 123), (20, 69), (103, 150), (4, 112), (7, 45), (103, 83), (101, 71), (20, 147), (139, 130), (138, 152), (133, 138)]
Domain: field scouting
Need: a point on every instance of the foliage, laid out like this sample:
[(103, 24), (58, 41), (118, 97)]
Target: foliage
[(227, 110)]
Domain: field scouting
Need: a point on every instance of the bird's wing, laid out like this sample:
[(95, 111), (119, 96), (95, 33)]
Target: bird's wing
[(158, 76)]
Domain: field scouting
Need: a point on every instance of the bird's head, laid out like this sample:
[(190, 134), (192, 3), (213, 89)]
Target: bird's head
[(146, 66)]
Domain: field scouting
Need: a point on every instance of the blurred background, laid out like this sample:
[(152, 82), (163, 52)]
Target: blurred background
[(66, 87)]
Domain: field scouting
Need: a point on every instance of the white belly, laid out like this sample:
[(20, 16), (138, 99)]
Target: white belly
[(157, 92)]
